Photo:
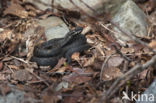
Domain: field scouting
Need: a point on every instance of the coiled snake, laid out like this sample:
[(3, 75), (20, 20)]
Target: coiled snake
[(49, 52)]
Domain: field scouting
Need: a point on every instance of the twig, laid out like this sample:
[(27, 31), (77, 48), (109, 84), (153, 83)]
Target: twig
[(20, 59), (122, 55), (134, 71), (26, 62), (104, 65), (41, 79), (107, 28), (95, 18), (88, 6)]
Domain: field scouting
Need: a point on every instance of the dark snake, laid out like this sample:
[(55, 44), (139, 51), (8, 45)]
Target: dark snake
[(48, 53)]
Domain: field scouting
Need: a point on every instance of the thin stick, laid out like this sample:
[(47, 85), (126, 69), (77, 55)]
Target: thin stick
[(103, 66), (134, 71)]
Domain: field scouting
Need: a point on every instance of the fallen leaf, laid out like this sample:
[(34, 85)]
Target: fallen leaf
[(74, 98), (111, 73), (13, 67), (61, 85), (115, 61), (77, 77), (1, 65), (16, 9), (76, 56), (152, 44), (49, 96), (2, 77), (6, 34), (61, 70), (127, 50), (89, 62), (60, 63), (22, 76), (143, 74)]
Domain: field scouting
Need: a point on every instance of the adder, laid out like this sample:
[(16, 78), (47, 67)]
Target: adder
[(49, 52)]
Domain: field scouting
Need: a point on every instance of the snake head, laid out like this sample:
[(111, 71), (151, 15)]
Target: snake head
[(76, 31)]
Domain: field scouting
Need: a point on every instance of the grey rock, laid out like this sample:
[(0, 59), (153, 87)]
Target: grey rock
[(54, 27), (96, 5), (132, 20), (112, 6), (150, 93), (16, 96)]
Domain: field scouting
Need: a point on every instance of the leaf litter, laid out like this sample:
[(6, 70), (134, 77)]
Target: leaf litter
[(82, 81)]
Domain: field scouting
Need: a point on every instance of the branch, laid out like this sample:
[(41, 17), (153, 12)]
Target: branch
[(122, 80)]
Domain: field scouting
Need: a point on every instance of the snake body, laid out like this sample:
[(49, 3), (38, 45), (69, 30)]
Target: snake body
[(49, 52)]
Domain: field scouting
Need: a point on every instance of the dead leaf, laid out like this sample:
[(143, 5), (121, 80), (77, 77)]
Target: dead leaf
[(16, 9), (111, 73), (76, 56), (143, 74), (77, 76), (13, 67), (152, 44), (61, 70), (127, 50), (1, 65), (74, 98), (6, 34), (61, 85), (115, 61), (22, 76), (2, 77), (49, 95), (60, 63), (89, 62)]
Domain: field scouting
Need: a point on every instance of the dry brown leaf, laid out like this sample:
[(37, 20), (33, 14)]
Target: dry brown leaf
[(13, 67), (115, 61), (109, 52), (61, 70), (16, 9), (76, 56), (111, 73), (74, 98), (77, 76), (1, 65), (49, 96), (22, 75), (6, 34), (143, 74), (2, 77), (127, 50), (152, 44), (89, 62)]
